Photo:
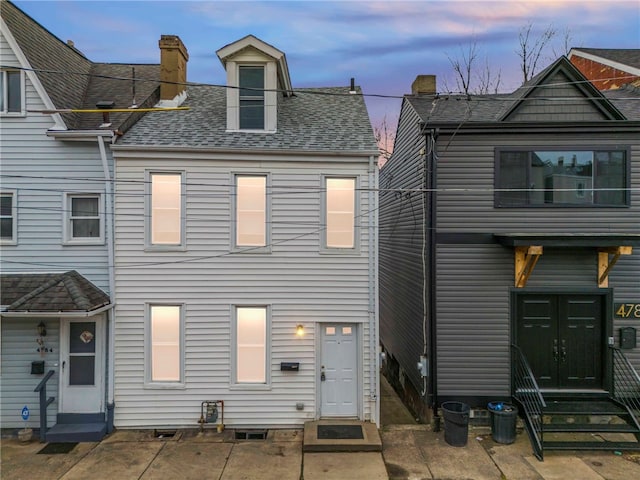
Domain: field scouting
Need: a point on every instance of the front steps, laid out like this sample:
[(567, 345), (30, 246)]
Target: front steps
[(589, 424), (370, 441), (77, 427)]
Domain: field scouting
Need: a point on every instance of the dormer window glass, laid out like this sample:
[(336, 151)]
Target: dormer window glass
[(251, 82), (10, 91)]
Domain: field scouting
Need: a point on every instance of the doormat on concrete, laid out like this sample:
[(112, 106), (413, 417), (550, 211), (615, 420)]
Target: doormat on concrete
[(54, 447), (340, 432)]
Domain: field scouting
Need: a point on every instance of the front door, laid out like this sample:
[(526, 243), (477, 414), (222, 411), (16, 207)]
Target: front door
[(339, 371), (562, 337), (81, 367)]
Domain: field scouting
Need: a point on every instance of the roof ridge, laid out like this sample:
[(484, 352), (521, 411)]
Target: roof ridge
[(70, 280)]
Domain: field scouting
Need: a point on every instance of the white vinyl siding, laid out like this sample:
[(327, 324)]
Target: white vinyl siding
[(166, 209), (164, 356), (298, 283), (251, 345), (340, 213)]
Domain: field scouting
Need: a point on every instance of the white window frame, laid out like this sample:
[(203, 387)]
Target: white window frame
[(149, 245), (235, 384), (235, 247), (14, 218), (324, 248), (148, 356), (68, 218), (270, 96), (5, 93)]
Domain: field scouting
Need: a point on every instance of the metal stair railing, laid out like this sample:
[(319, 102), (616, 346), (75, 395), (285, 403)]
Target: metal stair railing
[(526, 393), (626, 385), (44, 403)]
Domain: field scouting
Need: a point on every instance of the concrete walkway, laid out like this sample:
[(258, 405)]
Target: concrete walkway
[(409, 451)]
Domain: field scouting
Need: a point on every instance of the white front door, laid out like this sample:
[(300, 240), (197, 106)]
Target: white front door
[(339, 371), (81, 365)]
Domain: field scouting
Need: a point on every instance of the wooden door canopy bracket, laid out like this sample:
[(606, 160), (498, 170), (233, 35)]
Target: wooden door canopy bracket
[(525, 261), (606, 263)]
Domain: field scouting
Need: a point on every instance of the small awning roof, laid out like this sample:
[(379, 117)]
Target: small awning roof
[(568, 239), (67, 292)]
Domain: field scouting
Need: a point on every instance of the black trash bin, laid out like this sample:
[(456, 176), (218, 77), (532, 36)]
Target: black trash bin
[(456, 423), (503, 422)]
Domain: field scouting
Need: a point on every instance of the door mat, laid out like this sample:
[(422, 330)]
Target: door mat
[(340, 432), (54, 448)]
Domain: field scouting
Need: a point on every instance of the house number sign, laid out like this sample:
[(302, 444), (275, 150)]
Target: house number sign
[(627, 310)]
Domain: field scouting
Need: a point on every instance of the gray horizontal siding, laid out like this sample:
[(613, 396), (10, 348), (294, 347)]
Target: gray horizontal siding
[(300, 284), (400, 251)]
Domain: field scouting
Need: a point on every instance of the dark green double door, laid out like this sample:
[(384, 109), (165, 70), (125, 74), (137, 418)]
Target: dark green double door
[(562, 337)]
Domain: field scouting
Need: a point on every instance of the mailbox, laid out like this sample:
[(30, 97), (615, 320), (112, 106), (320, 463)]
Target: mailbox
[(37, 367), (290, 366), (627, 338)]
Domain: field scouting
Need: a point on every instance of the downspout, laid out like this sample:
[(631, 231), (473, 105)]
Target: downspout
[(431, 178), (374, 367), (109, 236)]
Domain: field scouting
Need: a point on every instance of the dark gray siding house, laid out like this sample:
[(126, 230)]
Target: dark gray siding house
[(511, 219)]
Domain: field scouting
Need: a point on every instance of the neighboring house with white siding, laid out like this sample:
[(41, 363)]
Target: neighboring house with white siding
[(56, 231), (510, 228), (245, 254)]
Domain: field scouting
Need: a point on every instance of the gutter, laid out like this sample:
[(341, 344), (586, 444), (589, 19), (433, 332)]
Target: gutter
[(62, 313), (431, 169), (374, 358)]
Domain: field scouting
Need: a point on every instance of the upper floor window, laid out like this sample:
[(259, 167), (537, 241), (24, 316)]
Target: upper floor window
[(11, 100), (562, 177), (7, 217), (251, 82), (340, 211), (83, 218), (166, 212), (251, 211)]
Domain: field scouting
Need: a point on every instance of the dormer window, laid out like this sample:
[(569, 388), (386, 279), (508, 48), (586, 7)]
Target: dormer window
[(251, 102), (11, 92)]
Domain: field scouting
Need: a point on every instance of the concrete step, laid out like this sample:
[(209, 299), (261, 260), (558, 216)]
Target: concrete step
[(77, 432), (370, 441)]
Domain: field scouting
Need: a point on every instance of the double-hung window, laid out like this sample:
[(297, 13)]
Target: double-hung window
[(251, 329), (251, 213), (12, 89), (166, 212), (562, 177), (339, 213), (251, 101), (83, 218), (8, 230), (165, 344)]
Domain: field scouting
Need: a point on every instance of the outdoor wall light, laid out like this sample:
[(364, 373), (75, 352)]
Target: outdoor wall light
[(300, 331), (42, 329)]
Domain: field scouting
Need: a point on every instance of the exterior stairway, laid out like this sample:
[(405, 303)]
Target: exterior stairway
[(588, 423), (78, 427)]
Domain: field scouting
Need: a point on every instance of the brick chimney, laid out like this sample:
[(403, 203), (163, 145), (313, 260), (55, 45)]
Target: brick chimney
[(424, 85), (173, 66)]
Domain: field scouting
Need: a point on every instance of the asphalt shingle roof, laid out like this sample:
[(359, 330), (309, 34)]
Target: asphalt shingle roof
[(314, 119), (625, 56), (50, 292), (73, 81)]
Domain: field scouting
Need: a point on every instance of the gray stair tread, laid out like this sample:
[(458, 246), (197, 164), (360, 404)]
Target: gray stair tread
[(590, 427), (77, 427), (597, 407), (591, 445)]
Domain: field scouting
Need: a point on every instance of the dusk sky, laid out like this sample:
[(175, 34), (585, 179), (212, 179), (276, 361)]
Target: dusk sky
[(384, 45)]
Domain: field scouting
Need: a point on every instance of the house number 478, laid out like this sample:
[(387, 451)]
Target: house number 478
[(627, 310)]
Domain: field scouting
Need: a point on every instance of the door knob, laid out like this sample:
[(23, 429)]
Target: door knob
[(555, 350), (563, 351), (323, 377)]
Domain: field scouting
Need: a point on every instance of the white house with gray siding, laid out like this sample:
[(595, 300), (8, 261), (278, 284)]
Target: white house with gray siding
[(511, 219), (246, 232), (56, 219)]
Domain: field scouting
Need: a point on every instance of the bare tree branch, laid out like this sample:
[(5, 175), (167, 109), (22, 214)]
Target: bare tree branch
[(531, 49)]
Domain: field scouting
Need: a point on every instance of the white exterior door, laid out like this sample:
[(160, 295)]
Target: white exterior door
[(81, 365), (339, 371)]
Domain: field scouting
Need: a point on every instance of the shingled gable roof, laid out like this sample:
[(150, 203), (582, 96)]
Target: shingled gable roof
[(50, 293), (82, 82), (622, 56), (454, 109)]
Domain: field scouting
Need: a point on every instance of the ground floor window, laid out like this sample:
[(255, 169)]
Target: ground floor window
[(251, 345)]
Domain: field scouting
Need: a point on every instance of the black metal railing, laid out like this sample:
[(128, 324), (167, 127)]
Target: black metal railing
[(526, 393), (44, 403), (626, 384)]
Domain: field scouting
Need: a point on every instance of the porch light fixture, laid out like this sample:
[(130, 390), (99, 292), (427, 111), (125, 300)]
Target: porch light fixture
[(42, 329), (300, 330)]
